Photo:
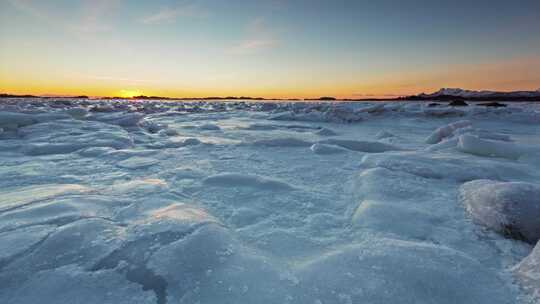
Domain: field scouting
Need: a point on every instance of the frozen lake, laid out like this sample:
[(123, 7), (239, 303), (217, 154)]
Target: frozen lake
[(209, 202)]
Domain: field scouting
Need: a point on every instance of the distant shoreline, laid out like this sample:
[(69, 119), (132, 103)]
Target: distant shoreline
[(503, 97)]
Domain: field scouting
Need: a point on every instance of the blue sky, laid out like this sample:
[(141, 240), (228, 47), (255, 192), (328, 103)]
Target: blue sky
[(274, 48)]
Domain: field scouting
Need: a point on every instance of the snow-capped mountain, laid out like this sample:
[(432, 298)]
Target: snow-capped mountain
[(446, 93)]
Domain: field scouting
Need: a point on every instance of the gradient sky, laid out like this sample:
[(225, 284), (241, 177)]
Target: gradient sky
[(274, 48)]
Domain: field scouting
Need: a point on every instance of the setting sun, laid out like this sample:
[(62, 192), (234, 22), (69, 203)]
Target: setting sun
[(129, 93)]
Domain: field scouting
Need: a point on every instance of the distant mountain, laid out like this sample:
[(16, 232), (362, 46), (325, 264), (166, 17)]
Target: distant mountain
[(461, 94)]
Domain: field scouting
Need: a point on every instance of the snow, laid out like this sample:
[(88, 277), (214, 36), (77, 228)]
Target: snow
[(104, 201)]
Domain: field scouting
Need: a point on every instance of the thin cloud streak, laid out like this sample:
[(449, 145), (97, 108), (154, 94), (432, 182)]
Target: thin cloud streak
[(90, 20), (94, 13), (260, 37), (120, 79), (170, 15)]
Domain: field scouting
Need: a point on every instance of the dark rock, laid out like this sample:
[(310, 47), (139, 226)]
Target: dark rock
[(433, 104), (492, 104), (458, 103)]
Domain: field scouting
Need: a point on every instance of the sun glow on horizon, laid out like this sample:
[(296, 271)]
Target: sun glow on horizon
[(129, 93)]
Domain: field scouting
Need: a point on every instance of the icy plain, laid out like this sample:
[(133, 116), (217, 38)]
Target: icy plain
[(235, 202)]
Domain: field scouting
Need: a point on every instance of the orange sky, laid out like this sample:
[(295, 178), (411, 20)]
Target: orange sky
[(514, 74)]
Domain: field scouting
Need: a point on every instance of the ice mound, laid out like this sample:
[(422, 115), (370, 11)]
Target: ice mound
[(72, 135), (446, 131), (71, 284), (57, 211), (326, 149), (386, 270), (283, 142), (136, 162), (402, 221), (14, 243), (151, 126), (209, 266), (528, 272), (361, 146), (209, 127), (120, 118), (142, 186), (328, 113), (11, 121), (245, 180), (82, 242), (474, 145), (443, 112), (383, 134), (510, 208), (21, 196), (438, 167), (260, 127), (326, 132), (95, 151)]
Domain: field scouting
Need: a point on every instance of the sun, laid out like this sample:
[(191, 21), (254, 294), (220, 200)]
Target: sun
[(130, 93)]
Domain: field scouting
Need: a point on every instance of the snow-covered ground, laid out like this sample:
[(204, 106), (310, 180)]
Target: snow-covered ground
[(213, 202)]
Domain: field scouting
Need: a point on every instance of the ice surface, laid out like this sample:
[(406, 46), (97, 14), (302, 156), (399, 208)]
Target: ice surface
[(105, 201)]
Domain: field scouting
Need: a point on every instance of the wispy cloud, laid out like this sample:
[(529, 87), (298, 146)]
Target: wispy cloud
[(260, 36), (170, 15), (94, 14), (91, 17), (29, 7), (126, 80)]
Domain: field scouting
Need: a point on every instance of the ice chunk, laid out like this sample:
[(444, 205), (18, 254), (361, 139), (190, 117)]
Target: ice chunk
[(282, 142), (441, 167), (137, 162), (260, 127), (209, 127), (510, 208), (245, 180), (384, 134), (142, 186), (474, 145), (326, 132), (528, 272), (362, 146), (95, 151), (446, 131), (326, 149)]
